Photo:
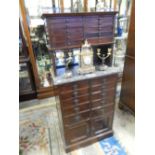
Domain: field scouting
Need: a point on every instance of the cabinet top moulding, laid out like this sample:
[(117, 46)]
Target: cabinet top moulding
[(45, 15)]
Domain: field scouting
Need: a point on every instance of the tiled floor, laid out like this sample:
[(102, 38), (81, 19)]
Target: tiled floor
[(124, 124)]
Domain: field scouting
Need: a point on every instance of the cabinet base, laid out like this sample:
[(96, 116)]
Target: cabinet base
[(88, 141), (124, 107)]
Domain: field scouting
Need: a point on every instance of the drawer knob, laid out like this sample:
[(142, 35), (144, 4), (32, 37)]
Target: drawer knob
[(76, 101)]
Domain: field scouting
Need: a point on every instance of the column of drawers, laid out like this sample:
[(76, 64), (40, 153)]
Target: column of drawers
[(102, 104), (75, 105)]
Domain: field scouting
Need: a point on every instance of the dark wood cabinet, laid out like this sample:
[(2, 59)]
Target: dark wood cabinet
[(68, 30), (127, 97), (87, 109)]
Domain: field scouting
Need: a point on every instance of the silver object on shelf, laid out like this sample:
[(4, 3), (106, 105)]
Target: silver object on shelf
[(68, 72), (103, 66)]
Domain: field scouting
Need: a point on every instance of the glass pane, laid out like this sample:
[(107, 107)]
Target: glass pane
[(24, 80), (21, 52), (67, 5), (91, 5), (38, 37)]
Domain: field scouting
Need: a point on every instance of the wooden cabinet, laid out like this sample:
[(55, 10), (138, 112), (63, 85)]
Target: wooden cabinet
[(87, 109), (86, 106), (68, 30), (127, 98)]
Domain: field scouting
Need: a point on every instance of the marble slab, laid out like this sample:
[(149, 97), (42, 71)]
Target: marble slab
[(61, 80)]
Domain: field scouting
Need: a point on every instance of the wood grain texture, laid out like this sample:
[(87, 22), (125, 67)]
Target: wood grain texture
[(69, 30), (85, 5), (62, 5), (127, 98)]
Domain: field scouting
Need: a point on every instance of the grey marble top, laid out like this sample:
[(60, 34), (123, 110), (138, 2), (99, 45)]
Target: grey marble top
[(62, 80)]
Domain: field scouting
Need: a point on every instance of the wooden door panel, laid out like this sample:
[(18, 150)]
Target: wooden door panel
[(99, 112), (77, 133), (71, 111), (101, 125), (77, 118), (128, 84)]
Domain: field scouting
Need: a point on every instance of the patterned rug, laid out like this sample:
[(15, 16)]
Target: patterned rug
[(40, 135)]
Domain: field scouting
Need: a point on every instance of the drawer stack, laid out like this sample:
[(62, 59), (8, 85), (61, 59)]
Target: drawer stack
[(70, 30), (87, 109)]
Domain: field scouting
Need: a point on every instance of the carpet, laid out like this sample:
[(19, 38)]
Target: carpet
[(39, 134)]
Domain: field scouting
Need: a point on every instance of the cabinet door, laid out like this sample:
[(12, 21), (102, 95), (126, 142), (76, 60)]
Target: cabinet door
[(102, 124), (77, 133)]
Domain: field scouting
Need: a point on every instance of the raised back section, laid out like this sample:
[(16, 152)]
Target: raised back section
[(68, 30)]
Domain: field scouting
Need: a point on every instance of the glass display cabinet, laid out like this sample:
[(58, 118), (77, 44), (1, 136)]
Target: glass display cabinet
[(26, 83)]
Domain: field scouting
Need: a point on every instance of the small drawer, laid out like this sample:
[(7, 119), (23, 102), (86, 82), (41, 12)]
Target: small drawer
[(103, 39), (57, 44), (88, 22), (83, 91), (96, 88), (110, 79), (77, 118), (56, 20), (102, 102), (93, 40), (82, 99), (81, 84), (101, 125), (77, 133), (71, 111), (66, 95), (106, 29), (108, 19), (106, 34), (76, 36), (99, 112), (75, 24), (65, 88), (57, 26), (91, 29), (56, 30), (75, 31), (103, 88), (103, 24), (91, 35), (96, 95), (77, 20), (73, 101), (97, 82), (74, 42), (58, 38)]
